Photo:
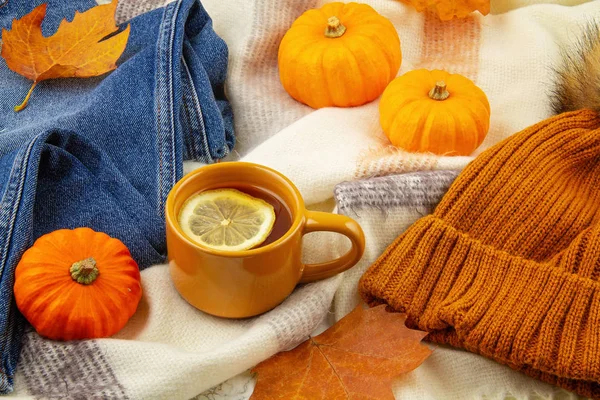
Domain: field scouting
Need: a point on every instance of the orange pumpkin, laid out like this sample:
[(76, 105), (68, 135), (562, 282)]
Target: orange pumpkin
[(77, 284), (339, 55), (449, 9), (434, 111)]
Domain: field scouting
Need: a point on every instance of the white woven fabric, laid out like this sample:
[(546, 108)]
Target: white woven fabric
[(169, 350)]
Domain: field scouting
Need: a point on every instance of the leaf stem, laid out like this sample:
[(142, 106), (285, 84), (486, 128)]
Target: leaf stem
[(24, 103)]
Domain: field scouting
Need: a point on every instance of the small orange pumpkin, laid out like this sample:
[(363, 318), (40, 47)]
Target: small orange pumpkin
[(339, 55), (450, 9), (77, 284), (434, 111)]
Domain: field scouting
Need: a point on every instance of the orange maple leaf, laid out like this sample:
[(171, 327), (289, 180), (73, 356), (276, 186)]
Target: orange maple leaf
[(449, 9), (357, 358), (75, 50)]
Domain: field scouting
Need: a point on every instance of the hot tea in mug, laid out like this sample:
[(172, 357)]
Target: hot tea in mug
[(234, 239)]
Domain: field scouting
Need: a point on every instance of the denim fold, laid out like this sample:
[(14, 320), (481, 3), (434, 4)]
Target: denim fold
[(104, 152)]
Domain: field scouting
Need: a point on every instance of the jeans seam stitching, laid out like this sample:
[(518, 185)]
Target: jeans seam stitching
[(15, 195), (207, 156), (165, 48)]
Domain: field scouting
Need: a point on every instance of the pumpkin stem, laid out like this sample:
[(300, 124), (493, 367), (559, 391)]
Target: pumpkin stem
[(334, 28), (439, 92), (84, 271)]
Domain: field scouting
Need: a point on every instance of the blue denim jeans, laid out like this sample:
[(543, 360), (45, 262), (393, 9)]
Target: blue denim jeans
[(104, 152)]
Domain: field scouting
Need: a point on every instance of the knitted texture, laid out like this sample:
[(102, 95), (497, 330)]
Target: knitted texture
[(507, 266)]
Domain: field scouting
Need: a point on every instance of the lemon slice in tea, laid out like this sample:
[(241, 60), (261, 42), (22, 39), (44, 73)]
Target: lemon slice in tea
[(227, 219)]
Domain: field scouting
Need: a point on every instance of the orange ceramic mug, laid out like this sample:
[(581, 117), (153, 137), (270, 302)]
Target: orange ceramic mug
[(247, 283)]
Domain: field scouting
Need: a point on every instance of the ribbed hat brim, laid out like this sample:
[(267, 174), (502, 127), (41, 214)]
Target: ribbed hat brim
[(532, 316)]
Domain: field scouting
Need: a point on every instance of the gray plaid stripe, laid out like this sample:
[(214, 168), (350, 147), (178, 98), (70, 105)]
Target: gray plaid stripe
[(127, 9), (75, 370), (417, 189)]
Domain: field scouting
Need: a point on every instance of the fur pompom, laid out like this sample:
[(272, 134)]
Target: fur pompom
[(578, 80)]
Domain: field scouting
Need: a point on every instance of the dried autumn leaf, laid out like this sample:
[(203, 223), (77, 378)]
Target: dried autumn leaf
[(75, 50), (357, 358), (448, 9)]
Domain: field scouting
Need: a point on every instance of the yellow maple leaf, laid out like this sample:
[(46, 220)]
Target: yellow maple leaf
[(75, 50)]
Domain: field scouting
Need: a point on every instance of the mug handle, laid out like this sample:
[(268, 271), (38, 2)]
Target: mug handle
[(321, 221)]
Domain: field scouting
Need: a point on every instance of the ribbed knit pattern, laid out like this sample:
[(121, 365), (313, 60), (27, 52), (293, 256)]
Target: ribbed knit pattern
[(508, 264)]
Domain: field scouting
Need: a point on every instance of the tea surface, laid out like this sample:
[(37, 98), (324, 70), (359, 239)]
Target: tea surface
[(283, 216), (198, 217)]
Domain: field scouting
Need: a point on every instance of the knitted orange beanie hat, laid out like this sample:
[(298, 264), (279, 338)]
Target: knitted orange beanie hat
[(508, 264)]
